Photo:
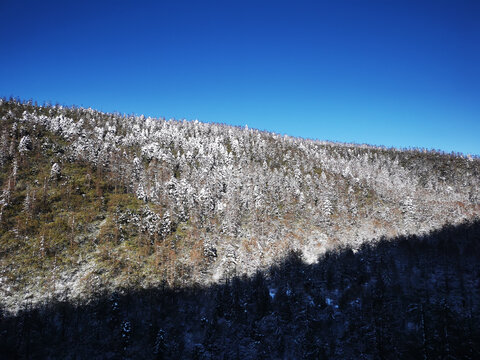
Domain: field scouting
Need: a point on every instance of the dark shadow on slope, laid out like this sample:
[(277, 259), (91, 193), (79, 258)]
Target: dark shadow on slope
[(408, 297)]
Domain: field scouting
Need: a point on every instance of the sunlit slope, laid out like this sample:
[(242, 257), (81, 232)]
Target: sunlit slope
[(93, 201)]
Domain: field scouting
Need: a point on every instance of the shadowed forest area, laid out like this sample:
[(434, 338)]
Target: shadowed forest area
[(409, 297)]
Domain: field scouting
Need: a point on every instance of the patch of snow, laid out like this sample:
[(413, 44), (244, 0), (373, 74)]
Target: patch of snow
[(272, 292)]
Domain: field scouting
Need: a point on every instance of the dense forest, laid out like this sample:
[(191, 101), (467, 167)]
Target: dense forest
[(403, 298), (180, 239)]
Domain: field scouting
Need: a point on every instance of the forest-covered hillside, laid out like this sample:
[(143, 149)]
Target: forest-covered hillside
[(414, 297), (93, 202)]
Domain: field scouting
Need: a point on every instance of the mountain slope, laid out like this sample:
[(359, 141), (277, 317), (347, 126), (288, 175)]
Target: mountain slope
[(402, 298), (95, 202)]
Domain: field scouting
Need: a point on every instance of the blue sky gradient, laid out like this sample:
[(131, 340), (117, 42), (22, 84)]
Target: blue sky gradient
[(393, 73)]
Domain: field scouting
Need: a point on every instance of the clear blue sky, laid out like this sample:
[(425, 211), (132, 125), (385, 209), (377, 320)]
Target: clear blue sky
[(394, 73)]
